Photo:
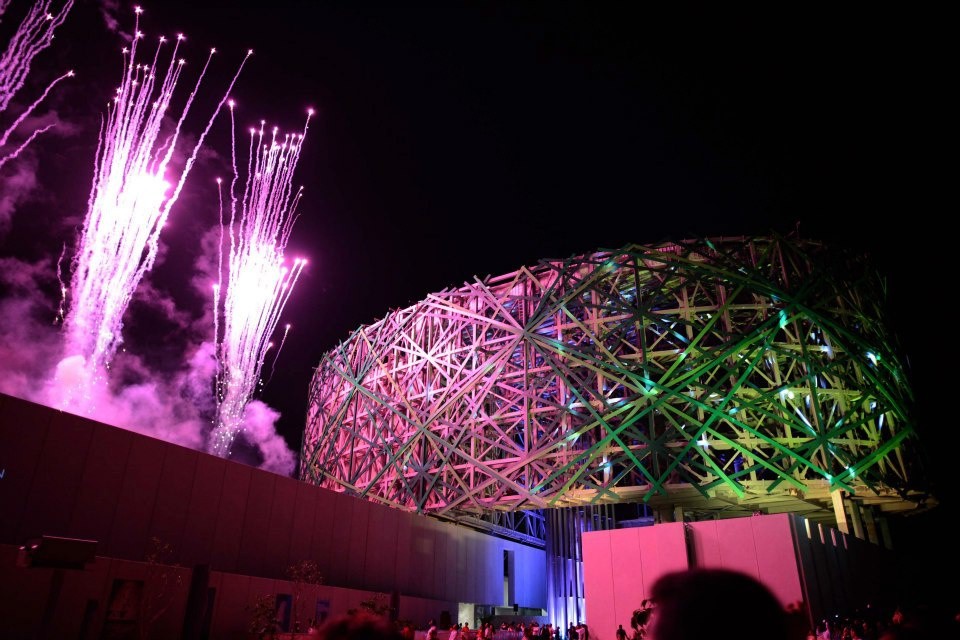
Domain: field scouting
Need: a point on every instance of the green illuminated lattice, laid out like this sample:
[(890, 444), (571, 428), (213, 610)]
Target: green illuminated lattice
[(726, 367)]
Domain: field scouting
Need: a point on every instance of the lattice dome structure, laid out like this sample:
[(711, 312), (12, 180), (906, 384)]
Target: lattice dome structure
[(731, 375)]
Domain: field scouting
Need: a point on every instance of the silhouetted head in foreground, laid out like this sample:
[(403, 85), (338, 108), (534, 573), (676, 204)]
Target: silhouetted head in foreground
[(710, 603), (359, 626)]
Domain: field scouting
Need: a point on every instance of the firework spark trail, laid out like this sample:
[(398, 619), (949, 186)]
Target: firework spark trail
[(258, 282), (127, 208), (273, 363), (33, 35)]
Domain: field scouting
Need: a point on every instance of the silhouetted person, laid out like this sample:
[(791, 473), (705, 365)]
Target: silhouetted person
[(359, 626), (712, 603)]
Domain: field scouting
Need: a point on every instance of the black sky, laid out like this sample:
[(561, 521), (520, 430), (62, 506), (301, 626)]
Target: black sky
[(456, 139)]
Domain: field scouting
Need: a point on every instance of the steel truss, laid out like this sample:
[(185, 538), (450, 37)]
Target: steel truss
[(730, 371)]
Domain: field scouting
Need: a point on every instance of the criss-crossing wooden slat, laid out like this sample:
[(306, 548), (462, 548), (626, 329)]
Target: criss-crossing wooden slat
[(758, 366)]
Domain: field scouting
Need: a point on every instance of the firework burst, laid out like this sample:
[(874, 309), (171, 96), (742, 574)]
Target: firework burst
[(133, 190), (34, 34), (259, 281)]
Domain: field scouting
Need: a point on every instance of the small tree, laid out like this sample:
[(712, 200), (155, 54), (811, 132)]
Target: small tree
[(164, 579), (378, 604), (301, 574), (263, 617)]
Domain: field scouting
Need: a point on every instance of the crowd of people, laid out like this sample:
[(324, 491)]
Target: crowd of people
[(512, 630), (694, 604), (902, 624), (699, 603)]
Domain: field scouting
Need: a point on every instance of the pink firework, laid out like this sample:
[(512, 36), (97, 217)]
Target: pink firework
[(259, 281), (128, 206), (33, 35)]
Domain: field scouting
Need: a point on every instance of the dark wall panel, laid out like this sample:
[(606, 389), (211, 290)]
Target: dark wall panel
[(23, 428), (459, 565), (835, 567), (22, 594), (138, 495), (803, 532), (378, 570), (440, 567), (477, 578), (203, 506), (25, 594), (233, 593), (53, 494), (423, 548), (277, 558), (230, 515), (176, 482), (390, 530), (821, 569), (868, 567), (404, 548), (340, 539), (321, 541), (256, 523), (99, 489), (357, 546), (450, 562), (304, 513)]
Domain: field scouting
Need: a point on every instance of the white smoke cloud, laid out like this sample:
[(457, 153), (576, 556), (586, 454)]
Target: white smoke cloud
[(152, 407), (259, 429), (197, 381), (175, 406)]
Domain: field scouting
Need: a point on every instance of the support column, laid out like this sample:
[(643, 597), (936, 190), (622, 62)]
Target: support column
[(678, 513), (839, 512), (662, 514), (854, 510), (564, 526), (870, 525), (885, 536), (196, 609)]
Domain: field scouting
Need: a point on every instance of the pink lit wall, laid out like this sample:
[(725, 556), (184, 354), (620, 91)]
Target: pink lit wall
[(760, 546), (798, 561), (621, 565)]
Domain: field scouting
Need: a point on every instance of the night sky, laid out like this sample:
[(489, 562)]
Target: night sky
[(461, 139)]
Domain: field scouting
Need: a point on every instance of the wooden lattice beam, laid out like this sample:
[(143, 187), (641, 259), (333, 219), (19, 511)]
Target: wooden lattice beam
[(730, 365)]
